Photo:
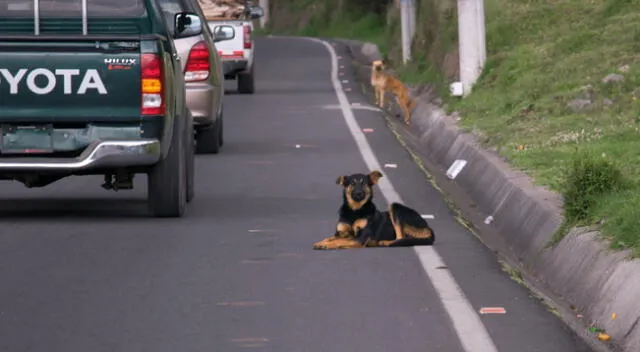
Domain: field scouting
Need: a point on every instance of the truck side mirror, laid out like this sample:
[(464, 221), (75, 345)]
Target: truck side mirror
[(187, 24), (256, 12), (222, 33)]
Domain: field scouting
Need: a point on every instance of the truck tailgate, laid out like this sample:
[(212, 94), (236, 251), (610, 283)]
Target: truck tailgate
[(234, 48), (67, 80)]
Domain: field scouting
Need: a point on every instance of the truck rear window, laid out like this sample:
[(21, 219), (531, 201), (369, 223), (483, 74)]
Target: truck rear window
[(73, 8)]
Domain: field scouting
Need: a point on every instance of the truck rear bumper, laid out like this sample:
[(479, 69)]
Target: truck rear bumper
[(200, 101), (232, 67), (98, 155)]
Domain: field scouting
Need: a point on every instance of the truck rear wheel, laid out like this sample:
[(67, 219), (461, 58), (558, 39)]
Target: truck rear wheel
[(208, 141), (245, 82), (167, 185), (209, 138)]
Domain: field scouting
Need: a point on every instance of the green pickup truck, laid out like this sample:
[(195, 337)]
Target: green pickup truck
[(95, 87)]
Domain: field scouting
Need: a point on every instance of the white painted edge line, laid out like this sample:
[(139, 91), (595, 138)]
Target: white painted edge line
[(365, 107), (354, 107), (470, 330)]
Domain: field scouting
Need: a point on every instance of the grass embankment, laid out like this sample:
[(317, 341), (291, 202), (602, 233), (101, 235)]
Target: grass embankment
[(542, 102)]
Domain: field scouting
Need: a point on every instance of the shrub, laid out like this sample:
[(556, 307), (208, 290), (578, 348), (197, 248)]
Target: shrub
[(587, 178)]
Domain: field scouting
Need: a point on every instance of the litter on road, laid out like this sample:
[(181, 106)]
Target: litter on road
[(488, 220), (428, 216), (367, 130), (492, 310), (455, 168), (391, 166)]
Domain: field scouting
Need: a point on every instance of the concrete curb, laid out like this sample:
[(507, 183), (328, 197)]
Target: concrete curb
[(579, 272)]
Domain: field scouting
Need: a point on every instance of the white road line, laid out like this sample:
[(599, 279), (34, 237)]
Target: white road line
[(472, 333)]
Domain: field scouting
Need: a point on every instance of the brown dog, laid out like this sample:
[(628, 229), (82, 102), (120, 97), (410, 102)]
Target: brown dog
[(382, 82)]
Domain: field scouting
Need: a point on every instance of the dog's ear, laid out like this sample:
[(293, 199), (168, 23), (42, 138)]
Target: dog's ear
[(374, 176), (340, 180)]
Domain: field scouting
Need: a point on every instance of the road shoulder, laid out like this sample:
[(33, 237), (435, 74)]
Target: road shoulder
[(473, 265), (486, 187)]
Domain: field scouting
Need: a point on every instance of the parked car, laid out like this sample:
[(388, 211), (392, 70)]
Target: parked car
[(202, 74), (238, 54), (97, 90)]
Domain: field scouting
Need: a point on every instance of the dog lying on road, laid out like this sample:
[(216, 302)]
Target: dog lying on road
[(382, 82), (361, 224)]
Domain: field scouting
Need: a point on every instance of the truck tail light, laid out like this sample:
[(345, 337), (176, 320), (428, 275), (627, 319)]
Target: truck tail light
[(197, 68), (152, 85), (247, 36)]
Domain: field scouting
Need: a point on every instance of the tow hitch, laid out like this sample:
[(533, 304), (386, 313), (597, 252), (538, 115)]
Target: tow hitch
[(120, 180)]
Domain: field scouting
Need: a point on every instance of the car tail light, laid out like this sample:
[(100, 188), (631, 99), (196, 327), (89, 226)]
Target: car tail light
[(197, 68), (152, 85), (247, 36)]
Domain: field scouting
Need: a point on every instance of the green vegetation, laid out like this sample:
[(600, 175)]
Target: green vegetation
[(543, 101)]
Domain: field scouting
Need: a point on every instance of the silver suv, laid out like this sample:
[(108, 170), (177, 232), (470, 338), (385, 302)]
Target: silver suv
[(203, 74)]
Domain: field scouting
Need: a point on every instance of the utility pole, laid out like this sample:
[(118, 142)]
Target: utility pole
[(412, 19), (482, 32), (471, 42), (265, 7), (407, 27)]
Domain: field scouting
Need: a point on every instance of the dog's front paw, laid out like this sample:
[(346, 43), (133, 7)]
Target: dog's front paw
[(319, 246)]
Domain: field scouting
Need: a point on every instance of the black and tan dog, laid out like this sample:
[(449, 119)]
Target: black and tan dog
[(361, 224)]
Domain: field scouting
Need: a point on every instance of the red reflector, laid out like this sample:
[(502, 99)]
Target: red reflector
[(238, 54)]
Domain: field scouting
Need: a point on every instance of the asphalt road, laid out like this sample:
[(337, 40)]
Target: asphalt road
[(84, 270)]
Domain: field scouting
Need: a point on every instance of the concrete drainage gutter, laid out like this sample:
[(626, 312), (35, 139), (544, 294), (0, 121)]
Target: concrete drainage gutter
[(580, 275)]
